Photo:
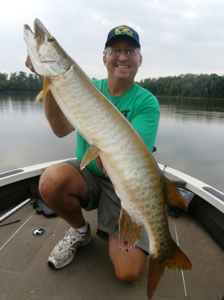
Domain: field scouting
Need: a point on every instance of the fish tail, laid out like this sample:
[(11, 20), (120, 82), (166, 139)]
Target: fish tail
[(156, 268)]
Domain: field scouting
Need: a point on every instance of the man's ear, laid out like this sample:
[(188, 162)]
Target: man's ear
[(140, 61), (104, 60)]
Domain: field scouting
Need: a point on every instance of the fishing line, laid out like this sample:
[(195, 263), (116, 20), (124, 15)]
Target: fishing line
[(16, 231), (182, 272)]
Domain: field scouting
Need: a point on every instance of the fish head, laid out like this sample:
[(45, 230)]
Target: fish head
[(47, 56)]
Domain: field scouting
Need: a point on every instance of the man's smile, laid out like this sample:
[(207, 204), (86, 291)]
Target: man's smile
[(122, 66)]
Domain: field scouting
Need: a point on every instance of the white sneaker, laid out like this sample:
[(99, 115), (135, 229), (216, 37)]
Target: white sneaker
[(65, 250)]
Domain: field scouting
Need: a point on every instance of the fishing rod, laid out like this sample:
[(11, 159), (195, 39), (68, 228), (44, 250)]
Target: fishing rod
[(9, 213)]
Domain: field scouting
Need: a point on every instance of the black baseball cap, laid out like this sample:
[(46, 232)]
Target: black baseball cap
[(123, 31)]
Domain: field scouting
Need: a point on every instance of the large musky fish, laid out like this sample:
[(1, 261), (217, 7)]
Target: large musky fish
[(138, 182)]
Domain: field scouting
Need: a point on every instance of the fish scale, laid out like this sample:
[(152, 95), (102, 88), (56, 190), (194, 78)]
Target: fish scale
[(125, 189)]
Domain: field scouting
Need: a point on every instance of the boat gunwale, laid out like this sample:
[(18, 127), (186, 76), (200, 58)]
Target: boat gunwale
[(192, 184), (197, 187)]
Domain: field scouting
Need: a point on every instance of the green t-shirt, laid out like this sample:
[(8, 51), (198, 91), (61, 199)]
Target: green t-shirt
[(140, 108)]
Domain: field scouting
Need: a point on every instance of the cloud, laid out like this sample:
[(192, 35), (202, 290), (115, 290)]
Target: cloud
[(176, 36)]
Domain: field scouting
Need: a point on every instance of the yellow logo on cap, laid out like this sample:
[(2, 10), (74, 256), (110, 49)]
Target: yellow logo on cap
[(123, 30)]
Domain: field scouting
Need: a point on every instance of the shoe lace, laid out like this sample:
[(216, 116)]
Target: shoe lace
[(69, 239)]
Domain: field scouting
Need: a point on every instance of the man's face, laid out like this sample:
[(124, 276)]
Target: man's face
[(122, 60)]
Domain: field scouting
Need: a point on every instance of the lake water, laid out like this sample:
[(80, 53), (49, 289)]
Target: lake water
[(190, 137)]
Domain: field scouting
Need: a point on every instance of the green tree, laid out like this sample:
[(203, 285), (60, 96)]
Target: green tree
[(3, 81), (188, 85)]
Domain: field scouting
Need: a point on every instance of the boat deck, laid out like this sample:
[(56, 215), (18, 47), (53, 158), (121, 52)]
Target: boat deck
[(25, 274)]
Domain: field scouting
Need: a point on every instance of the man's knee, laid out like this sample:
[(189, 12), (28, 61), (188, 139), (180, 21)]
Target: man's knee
[(60, 180), (128, 266), (52, 182), (48, 184), (128, 274)]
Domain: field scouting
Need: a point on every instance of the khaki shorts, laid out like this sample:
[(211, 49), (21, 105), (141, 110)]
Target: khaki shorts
[(103, 197)]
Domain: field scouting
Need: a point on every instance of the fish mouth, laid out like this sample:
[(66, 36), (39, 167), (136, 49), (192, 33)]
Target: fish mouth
[(40, 32), (47, 56), (38, 35)]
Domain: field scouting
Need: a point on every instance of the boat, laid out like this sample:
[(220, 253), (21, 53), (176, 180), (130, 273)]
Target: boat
[(28, 236)]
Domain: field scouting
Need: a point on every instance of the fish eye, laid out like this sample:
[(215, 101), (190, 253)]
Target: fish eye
[(50, 39)]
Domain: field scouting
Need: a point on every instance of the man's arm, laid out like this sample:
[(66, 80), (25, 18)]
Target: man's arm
[(58, 122), (146, 124)]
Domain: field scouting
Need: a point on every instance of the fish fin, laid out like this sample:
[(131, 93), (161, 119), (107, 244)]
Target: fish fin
[(100, 165), (90, 154), (156, 268), (105, 172), (155, 273), (173, 196), (179, 260), (39, 96), (46, 88), (129, 231)]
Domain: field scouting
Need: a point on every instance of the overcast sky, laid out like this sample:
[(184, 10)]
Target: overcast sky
[(177, 36)]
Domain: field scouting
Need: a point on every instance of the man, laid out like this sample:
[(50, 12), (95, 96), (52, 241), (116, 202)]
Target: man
[(66, 189)]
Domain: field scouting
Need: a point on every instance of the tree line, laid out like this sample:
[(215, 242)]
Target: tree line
[(20, 82), (188, 85)]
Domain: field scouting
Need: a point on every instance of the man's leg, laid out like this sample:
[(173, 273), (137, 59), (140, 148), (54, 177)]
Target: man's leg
[(62, 188), (128, 265)]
